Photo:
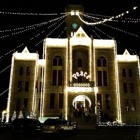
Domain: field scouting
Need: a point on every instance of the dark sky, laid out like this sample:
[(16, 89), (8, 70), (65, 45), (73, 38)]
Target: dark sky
[(17, 29)]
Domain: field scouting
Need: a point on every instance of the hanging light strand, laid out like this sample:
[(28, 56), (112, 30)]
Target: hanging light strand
[(103, 32), (11, 51), (115, 28), (91, 18), (61, 32), (122, 19), (120, 30), (4, 91), (55, 28), (5, 69), (31, 27), (32, 38), (27, 14), (43, 32), (105, 20), (96, 34)]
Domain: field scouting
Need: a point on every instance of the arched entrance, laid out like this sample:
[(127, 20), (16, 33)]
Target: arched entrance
[(81, 101)]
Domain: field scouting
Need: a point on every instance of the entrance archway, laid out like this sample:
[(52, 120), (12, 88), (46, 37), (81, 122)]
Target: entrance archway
[(81, 101)]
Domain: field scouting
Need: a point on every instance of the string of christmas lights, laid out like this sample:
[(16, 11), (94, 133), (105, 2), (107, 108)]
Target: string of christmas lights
[(5, 69), (126, 20), (4, 91), (89, 17), (55, 28), (114, 27), (105, 20), (34, 25), (31, 27), (61, 32), (11, 50), (103, 32), (59, 18), (28, 14), (44, 31), (96, 34), (121, 30), (122, 19)]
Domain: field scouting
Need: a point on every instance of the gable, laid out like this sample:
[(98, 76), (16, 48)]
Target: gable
[(80, 33), (25, 50)]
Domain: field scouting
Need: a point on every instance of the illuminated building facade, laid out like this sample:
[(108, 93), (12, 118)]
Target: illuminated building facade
[(76, 73)]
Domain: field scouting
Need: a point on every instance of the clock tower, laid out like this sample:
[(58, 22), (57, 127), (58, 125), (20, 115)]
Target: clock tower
[(72, 20)]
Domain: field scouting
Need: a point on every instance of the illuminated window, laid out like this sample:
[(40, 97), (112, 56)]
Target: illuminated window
[(18, 104), (61, 101), (21, 71), (26, 86), (28, 71), (130, 72), (131, 88), (57, 73), (133, 105), (107, 98), (52, 100), (126, 104), (20, 86), (125, 87), (123, 72), (79, 62)]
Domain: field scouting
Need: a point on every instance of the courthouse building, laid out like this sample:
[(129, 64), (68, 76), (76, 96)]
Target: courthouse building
[(76, 74)]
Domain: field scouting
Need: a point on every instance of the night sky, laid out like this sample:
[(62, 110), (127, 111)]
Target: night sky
[(25, 24)]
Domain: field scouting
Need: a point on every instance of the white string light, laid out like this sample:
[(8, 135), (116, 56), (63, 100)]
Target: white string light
[(97, 34), (11, 51), (55, 28), (34, 37), (62, 32), (5, 69), (124, 20), (31, 27), (114, 27), (4, 91), (121, 30), (28, 14), (43, 32), (103, 32), (39, 42), (105, 20)]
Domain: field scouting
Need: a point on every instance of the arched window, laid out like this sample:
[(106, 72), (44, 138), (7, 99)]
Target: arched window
[(79, 62), (21, 71), (123, 72), (102, 73), (57, 73), (57, 61), (101, 62)]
